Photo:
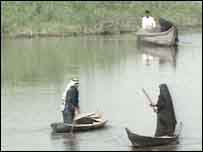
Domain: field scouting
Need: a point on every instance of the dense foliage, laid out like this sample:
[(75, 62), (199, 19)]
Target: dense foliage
[(92, 17)]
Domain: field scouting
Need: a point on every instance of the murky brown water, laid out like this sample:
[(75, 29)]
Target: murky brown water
[(112, 71)]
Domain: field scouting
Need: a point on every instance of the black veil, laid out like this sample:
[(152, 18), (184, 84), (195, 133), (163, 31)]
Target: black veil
[(166, 120)]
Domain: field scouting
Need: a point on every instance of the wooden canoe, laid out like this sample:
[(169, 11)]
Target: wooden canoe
[(83, 123), (146, 141), (167, 38)]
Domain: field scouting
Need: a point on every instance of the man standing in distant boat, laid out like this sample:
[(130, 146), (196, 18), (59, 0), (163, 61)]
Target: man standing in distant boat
[(148, 22), (70, 105)]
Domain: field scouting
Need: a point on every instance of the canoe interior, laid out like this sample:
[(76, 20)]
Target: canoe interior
[(82, 123)]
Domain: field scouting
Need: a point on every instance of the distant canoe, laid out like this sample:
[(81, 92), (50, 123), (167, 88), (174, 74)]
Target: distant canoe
[(97, 122), (167, 38), (146, 141)]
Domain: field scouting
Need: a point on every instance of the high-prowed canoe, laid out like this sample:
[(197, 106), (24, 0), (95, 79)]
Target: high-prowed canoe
[(167, 38), (84, 122), (146, 141)]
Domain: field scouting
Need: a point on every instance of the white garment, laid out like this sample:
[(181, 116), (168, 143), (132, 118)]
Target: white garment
[(148, 22), (62, 107), (70, 84)]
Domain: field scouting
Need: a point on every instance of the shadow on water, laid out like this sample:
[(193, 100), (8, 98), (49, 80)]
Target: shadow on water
[(164, 54)]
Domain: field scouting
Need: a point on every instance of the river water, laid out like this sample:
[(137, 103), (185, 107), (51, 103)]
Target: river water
[(112, 71)]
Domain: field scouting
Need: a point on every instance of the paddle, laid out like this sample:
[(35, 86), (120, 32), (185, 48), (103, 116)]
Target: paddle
[(148, 99)]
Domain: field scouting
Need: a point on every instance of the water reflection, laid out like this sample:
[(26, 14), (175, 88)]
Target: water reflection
[(162, 54), (69, 140), (46, 61)]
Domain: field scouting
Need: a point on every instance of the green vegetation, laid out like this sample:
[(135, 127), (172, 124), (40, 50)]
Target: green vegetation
[(71, 18)]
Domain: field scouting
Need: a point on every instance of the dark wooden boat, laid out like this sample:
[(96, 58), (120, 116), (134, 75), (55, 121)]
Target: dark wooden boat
[(82, 123), (167, 38), (145, 141)]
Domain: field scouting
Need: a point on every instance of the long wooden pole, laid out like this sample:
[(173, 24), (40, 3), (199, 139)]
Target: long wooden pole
[(143, 90)]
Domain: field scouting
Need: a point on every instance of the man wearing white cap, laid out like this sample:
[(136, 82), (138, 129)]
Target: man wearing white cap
[(71, 101)]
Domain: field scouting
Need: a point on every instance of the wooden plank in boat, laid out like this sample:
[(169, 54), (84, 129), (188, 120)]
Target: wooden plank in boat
[(91, 115), (79, 116)]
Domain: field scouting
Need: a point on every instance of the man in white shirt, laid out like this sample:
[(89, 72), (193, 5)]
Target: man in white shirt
[(148, 22)]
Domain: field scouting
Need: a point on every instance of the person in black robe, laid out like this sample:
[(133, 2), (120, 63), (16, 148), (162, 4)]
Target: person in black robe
[(166, 120), (71, 104)]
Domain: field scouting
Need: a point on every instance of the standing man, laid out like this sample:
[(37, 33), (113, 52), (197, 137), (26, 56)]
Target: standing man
[(148, 22), (71, 105)]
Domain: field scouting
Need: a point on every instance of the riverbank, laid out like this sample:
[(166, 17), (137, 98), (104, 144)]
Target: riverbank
[(68, 34), (62, 19)]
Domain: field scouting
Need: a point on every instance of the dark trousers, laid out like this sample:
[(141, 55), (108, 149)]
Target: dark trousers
[(68, 116)]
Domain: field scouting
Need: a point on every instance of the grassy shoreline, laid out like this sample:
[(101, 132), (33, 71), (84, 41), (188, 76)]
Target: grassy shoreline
[(34, 35), (62, 19)]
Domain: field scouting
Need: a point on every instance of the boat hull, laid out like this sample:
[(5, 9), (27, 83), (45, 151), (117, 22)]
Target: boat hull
[(146, 141), (64, 127), (167, 38)]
